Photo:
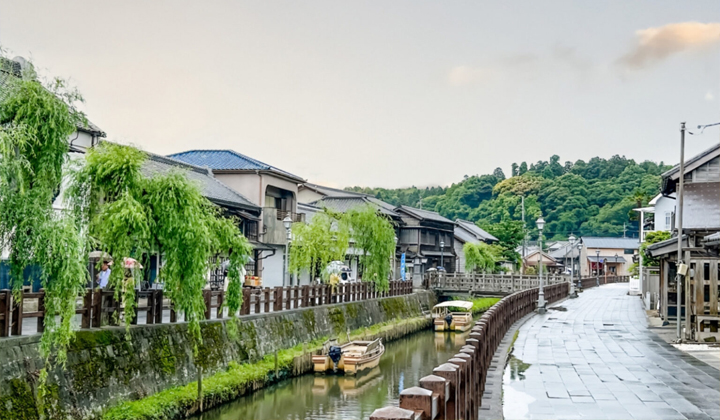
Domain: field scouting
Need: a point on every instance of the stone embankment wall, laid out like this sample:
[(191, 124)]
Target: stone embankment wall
[(105, 368)]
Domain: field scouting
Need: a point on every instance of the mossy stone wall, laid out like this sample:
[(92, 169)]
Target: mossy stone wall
[(105, 368)]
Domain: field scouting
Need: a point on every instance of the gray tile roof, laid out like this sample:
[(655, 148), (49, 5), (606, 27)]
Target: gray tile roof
[(714, 150), (332, 192), (475, 231), (211, 188), (425, 214), (561, 252), (229, 160), (343, 204), (618, 243)]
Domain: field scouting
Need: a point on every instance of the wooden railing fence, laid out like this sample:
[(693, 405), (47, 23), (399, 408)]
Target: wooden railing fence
[(455, 389), (98, 307)]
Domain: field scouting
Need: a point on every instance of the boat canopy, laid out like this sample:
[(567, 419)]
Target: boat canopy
[(455, 304)]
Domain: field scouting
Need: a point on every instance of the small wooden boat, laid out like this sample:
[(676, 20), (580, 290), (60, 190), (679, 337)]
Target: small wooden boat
[(453, 315), (352, 358)]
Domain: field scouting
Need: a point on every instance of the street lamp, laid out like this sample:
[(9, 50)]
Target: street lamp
[(579, 248), (442, 249), (540, 222), (287, 222), (572, 239), (597, 267), (394, 257)]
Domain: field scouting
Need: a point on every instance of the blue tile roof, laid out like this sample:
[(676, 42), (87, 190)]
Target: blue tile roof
[(227, 160)]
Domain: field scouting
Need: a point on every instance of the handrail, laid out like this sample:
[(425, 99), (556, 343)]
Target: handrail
[(99, 306)]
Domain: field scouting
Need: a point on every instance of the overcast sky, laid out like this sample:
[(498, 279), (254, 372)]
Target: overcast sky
[(385, 93)]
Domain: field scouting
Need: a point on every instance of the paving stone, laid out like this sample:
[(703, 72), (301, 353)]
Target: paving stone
[(599, 360)]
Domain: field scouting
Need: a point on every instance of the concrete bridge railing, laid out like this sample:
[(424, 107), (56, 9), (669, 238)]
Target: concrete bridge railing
[(506, 283), (454, 390), (488, 283)]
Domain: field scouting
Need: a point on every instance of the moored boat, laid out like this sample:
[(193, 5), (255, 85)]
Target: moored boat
[(351, 358), (453, 315)]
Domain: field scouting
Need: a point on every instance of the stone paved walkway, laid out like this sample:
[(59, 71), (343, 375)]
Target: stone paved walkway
[(598, 360)]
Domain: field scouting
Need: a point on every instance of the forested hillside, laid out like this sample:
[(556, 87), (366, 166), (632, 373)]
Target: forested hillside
[(583, 198)]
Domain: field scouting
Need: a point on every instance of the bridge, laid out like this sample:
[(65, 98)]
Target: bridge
[(505, 284)]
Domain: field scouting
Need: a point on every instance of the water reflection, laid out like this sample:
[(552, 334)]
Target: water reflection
[(339, 397), (517, 368)]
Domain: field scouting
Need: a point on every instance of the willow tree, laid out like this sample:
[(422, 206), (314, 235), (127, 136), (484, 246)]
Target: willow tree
[(130, 215), (36, 121), (481, 257), (316, 244), (374, 235)]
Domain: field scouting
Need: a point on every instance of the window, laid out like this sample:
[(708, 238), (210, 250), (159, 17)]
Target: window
[(629, 252), (668, 220)]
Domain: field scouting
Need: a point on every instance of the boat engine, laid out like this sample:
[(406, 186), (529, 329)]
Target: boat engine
[(335, 353), (448, 319)]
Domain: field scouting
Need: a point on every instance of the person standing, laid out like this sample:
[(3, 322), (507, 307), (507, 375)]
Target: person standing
[(104, 275)]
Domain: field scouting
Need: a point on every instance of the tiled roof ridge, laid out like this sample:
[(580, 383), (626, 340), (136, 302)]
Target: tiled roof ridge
[(207, 171)]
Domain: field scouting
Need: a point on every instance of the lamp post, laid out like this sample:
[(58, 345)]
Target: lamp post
[(597, 267), (573, 293), (579, 269), (394, 258), (442, 249), (540, 222), (287, 222)]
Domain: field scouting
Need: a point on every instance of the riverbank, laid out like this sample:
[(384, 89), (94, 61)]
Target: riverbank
[(109, 366), (239, 379)]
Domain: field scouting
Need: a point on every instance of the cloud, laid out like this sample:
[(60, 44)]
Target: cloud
[(709, 96), (466, 75), (659, 43)]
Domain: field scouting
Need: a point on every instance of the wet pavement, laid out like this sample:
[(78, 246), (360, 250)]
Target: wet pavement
[(598, 360)]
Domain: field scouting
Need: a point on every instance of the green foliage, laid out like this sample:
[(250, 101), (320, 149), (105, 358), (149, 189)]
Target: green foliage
[(652, 238), (509, 234), (583, 198), (129, 215), (36, 121), (479, 304), (317, 243), (374, 235), (326, 238), (481, 257)]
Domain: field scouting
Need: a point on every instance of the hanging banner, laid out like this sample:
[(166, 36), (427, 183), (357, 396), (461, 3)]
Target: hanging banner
[(402, 266)]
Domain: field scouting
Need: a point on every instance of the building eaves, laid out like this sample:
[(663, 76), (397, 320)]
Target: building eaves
[(210, 187), (225, 160), (605, 242), (424, 214), (693, 162), (331, 192)]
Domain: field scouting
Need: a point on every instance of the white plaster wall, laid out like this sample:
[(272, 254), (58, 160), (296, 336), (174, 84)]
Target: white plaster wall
[(272, 269)]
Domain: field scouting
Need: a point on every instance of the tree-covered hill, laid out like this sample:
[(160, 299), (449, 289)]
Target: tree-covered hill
[(583, 198)]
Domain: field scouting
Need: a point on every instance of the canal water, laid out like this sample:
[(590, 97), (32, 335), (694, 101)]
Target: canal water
[(324, 397)]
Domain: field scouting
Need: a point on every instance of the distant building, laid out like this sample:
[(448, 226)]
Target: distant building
[(468, 232), (268, 187), (611, 256), (421, 234)]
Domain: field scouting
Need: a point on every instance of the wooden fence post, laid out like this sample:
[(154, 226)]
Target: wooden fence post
[(41, 310), (158, 300), (245, 308), (220, 301), (278, 304), (207, 297), (17, 311), (266, 297), (4, 313)]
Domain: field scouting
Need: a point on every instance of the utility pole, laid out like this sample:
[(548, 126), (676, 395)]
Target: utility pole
[(524, 233), (678, 281), (624, 229)]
